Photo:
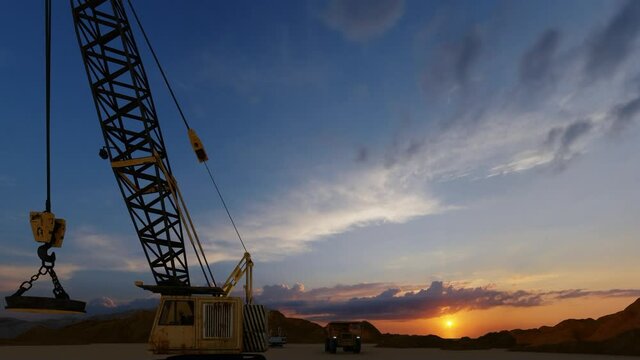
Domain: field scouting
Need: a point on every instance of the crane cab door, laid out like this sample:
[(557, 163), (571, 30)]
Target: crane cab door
[(219, 325), (174, 327)]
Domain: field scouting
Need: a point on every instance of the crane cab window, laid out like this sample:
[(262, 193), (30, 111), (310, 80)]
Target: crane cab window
[(176, 312)]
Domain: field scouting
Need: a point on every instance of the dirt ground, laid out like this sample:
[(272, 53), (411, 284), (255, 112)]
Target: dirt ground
[(289, 352)]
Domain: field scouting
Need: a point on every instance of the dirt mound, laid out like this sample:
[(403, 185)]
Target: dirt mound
[(585, 330), (370, 334), (302, 331), (297, 330), (618, 323), (132, 327), (627, 343)]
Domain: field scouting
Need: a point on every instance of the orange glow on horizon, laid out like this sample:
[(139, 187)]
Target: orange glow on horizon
[(448, 324), (479, 322)]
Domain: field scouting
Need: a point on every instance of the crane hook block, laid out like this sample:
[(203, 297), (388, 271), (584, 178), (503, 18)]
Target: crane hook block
[(196, 144), (46, 228)]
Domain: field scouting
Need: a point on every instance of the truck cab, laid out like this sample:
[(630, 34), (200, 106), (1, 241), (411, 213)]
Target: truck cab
[(344, 334)]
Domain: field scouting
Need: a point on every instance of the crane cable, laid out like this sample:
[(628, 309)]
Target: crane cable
[(225, 206), (155, 57), (47, 34), (184, 119), (175, 100)]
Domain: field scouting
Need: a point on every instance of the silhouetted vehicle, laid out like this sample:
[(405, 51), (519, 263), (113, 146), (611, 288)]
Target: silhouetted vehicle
[(277, 337), (344, 334)]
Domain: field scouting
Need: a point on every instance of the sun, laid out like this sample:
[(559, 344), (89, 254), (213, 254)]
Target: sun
[(449, 323)]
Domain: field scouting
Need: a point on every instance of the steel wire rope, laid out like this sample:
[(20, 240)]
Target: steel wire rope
[(184, 120)]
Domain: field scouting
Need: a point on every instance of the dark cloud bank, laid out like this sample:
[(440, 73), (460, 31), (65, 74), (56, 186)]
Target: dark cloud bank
[(390, 303), (436, 300)]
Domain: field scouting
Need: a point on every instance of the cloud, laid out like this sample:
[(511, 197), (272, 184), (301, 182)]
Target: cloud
[(361, 21), (561, 145), (11, 276), (578, 293), (378, 301), (537, 69), (610, 47), (106, 305), (570, 134), (394, 303), (362, 154), (622, 115), (400, 181), (89, 248), (452, 67), (85, 249), (277, 293), (562, 139), (320, 208), (549, 101)]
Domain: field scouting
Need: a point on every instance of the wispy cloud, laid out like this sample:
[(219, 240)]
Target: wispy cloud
[(316, 209), (452, 67), (561, 115), (491, 137), (611, 46), (624, 114), (107, 305), (11, 276), (362, 20), (85, 249), (578, 293), (278, 293), (89, 248), (538, 68)]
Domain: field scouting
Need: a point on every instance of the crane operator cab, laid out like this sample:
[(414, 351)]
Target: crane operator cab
[(196, 323), (202, 324), (206, 320)]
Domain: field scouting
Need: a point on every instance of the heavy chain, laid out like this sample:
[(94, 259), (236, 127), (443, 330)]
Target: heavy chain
[(25, 286), (58, 291), (48, 262)]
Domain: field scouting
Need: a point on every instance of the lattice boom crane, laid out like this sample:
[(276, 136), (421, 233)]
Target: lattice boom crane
[(191, 319)]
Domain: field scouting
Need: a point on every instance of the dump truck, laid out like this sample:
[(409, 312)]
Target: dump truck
[(344, 334)]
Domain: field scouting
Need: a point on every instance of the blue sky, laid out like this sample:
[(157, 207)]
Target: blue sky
[(380, 145)]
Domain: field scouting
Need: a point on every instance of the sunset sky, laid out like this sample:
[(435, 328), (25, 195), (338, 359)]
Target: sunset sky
[(446, 167)]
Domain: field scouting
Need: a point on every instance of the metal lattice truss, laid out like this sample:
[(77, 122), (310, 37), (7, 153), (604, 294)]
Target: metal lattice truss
[(132, 135)]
